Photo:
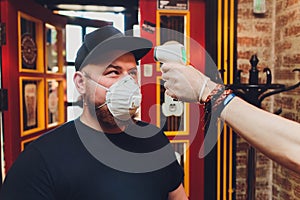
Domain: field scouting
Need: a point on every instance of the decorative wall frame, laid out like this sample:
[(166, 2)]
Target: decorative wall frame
[(54, 102), (181, 148), (54, 51), (31, 105), (172, 115), (30, 43)]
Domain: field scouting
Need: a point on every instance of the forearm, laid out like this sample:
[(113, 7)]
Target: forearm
[(275, 136)]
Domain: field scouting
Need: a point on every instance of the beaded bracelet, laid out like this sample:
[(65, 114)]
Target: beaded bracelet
[(214, 105)]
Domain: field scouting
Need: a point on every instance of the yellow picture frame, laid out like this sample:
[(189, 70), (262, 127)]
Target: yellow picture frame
[(32, 110), (55, 109), (54, 50), (181, 148), (30, 44)]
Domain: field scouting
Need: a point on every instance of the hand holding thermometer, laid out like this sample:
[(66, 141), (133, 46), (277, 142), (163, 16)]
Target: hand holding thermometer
[(171, 51), (183, 81)]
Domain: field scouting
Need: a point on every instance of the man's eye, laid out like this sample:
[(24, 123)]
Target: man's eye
[(114, 72), (133, 73)]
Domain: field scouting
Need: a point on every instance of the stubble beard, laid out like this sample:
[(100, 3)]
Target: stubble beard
[(106, 120)]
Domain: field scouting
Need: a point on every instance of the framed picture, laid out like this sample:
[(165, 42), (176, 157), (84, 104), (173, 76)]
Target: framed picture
[(54, 102), (172, 115), (32, 105), (24, 143), (51, 48), (30, 43), (54, 56), (181, 148)]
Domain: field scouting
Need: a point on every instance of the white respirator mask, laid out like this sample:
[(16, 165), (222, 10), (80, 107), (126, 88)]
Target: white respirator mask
[(122, 96)]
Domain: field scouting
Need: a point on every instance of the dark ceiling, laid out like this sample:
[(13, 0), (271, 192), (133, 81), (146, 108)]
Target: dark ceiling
[(130, 11), (128, 4)]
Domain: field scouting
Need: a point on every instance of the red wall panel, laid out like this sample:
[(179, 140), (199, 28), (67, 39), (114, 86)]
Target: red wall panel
[(148, 10)]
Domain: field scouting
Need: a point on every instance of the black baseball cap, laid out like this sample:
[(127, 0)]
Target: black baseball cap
[(97, 45)]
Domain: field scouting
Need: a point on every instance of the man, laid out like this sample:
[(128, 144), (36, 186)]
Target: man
[(105, 154)]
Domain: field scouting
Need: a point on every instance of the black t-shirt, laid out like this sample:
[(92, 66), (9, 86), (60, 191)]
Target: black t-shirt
[(76, 162)]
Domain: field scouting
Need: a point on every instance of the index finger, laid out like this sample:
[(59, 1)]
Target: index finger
[(166, 67)]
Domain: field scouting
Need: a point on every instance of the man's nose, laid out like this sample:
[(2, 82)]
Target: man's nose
[(126, 73), (134, 76)]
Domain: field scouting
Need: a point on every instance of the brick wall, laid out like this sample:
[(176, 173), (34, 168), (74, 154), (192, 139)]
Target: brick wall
[(287, 43), (275, 38)]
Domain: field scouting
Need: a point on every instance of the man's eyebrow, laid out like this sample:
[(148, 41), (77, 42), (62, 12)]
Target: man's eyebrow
[(118, 67), (113, 66)]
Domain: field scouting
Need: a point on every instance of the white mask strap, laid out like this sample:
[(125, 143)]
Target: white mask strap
[(98, 84), (101, 105)]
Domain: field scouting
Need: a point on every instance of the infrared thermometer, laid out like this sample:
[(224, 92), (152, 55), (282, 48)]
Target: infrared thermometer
[(171, 51)]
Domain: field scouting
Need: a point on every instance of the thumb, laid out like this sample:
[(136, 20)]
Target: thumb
[(165, 67)]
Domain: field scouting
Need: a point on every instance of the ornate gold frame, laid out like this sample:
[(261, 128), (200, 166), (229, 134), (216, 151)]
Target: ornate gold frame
[(40, 117), (38, 42)]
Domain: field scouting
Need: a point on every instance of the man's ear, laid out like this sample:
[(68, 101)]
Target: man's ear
[(79, 82)]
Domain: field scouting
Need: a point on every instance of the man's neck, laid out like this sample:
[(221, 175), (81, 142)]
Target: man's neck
[(92, 122)]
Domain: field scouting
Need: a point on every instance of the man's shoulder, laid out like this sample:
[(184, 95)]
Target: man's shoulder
[(57, 135), (61, 130)]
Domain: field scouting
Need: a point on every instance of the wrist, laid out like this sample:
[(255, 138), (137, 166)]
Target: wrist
[(227, 108), (228, 99), (210, 86), (218, 98)]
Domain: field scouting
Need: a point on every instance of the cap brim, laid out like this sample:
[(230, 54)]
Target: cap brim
[(101, 53)]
